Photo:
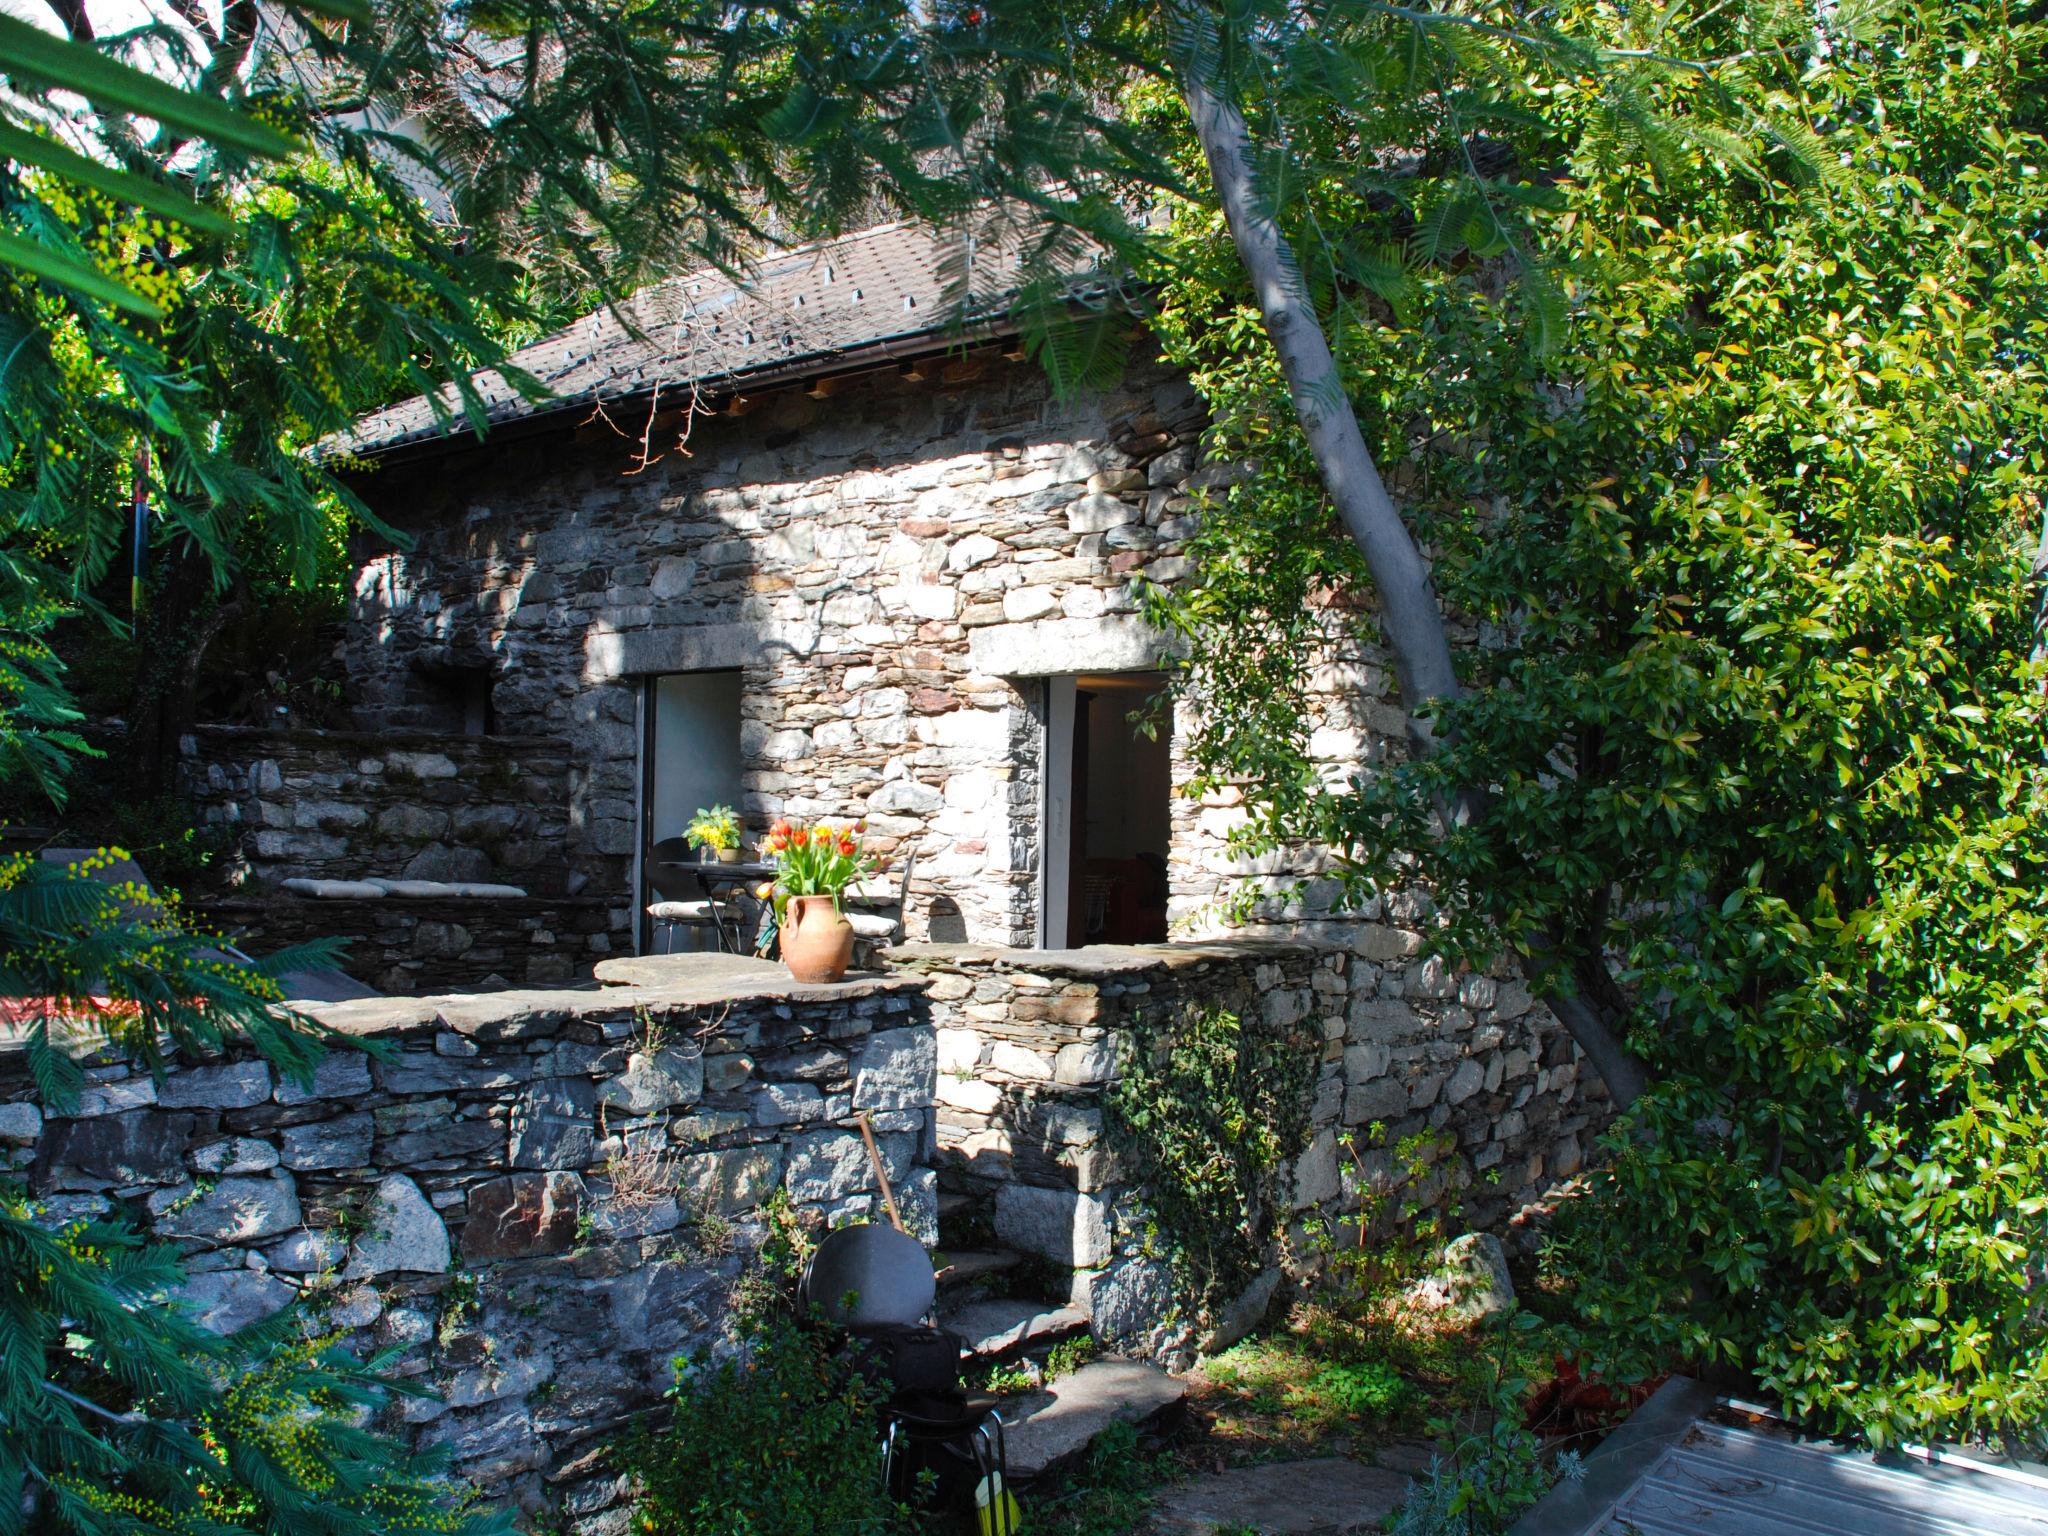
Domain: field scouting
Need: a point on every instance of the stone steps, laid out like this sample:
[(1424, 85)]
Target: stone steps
[(964, 1268), (1003, 1325), (1049, 1429)]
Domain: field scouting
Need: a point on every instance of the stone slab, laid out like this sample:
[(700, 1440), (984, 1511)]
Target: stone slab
[(998, 1326), (1326, 1496), (1058, 1424), (973, 1264)]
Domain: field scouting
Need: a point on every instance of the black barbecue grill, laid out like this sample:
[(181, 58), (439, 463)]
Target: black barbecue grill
[(875, 1285)]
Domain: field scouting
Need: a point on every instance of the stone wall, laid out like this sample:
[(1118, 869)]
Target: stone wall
[(1027, 1042), (893, 568), (540, 1198), (409, 944), (349, 805)]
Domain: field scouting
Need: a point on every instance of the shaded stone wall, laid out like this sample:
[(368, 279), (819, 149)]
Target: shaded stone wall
[(540, 1198), (892, 568), (410, 944), (1028, 1041), (350, 805)]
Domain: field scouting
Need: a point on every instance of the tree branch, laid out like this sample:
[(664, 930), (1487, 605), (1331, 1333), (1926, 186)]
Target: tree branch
[(76, 22), (1411, 615)]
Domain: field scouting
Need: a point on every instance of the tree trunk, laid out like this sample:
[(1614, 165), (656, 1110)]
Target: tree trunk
[(1411, 617)]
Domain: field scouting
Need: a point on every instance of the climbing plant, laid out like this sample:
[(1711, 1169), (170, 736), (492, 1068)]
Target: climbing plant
[(1208, 1115)]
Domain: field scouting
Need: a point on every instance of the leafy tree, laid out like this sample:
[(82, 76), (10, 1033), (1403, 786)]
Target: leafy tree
[(1743, 751)]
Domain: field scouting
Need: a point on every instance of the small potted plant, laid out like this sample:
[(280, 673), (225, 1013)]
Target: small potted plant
[(814, 866), (716, 829)]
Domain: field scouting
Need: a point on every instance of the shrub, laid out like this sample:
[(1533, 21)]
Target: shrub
[(777, 1437)]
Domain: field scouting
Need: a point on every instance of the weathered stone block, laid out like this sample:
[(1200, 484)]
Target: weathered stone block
[(734, 1180), (1016, 1061), (342, 1073), (20, 1125), (404, 1233), (522, 1215), (230, 1299), (233, 1211), (655, 1082), (896, 1069), (1063, 1225), (230, 1085), (1085, 1063), (145, 1146), (553, 1124), (237, 1154), (343, 1142)]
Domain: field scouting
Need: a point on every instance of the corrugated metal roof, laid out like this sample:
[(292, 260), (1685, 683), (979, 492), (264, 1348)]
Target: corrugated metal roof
[(881, 285), (1675, 1470)]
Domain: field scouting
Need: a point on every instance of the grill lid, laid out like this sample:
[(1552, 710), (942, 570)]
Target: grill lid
[(886, 1273)]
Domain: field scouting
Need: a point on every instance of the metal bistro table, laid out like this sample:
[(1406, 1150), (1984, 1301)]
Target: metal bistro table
[(729, 889)]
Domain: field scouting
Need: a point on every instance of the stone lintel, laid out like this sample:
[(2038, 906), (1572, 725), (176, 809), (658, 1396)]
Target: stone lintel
[(1099, 959), (1051, 647), (692, 648)]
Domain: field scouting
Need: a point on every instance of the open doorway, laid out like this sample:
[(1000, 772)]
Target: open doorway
[(1108, 786), (690, 761)]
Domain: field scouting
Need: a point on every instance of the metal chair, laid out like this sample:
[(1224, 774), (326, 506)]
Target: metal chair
[(871, 927), (674, 910)]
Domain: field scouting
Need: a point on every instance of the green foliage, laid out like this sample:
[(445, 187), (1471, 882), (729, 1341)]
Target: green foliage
[(1209, 1114), (1111, 1496), (776, 1436), (125, 1418), (1496, 1470), (96, 963), (1368, 1389), (1746, 560)]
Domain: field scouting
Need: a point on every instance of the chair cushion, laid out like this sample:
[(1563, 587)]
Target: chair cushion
[(867, 926), (336, 890), (684, 911)]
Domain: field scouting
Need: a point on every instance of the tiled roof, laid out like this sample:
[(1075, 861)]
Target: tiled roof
[(799, 307)]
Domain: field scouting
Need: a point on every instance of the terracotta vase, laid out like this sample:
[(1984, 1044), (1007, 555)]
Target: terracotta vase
[(817, 940)]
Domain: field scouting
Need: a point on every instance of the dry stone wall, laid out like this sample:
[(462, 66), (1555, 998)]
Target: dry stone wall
[(539, 1198), (404, 945), (1028, 1042), (350, 805)]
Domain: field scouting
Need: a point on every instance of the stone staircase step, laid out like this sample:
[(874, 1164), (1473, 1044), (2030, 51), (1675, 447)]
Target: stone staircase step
[(1049, 1428), (999, 1326), (952, 1202), (974, 1264)]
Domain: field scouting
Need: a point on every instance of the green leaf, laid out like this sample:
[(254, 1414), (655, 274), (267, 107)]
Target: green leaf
[(26, 148), (55, 267), (30, 55)]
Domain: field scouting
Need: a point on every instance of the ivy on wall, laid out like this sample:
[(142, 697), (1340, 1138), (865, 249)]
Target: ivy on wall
[(1208, 1116)]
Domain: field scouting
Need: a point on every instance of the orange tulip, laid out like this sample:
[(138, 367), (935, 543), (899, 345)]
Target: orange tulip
[(847, 846)]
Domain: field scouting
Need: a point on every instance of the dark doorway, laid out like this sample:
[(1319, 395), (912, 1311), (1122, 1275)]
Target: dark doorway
[(1108, 827)]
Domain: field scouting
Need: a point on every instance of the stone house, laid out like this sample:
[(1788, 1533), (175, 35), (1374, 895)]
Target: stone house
[(814, 549)]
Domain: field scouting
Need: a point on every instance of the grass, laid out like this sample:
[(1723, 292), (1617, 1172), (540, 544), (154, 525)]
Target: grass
[(1336, 1373), (1334, 1369)]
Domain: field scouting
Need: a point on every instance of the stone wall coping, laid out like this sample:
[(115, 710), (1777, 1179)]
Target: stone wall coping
[(1100, 959), (530, 1014), (306, 736)]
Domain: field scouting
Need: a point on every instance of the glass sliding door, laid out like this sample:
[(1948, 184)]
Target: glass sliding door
[(690, 760)]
